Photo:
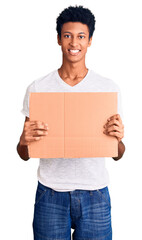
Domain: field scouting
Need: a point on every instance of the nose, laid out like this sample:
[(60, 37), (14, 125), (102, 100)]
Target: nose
[(73, 42)]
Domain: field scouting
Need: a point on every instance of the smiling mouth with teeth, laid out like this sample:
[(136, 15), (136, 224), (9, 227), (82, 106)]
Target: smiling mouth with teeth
[(74, 52), (71, 50)]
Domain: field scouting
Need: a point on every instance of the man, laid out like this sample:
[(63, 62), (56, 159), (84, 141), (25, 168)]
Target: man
[(72, 193)]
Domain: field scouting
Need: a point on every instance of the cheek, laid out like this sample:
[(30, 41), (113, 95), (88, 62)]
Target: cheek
[(64, 48), (85, 45), (84, 48)]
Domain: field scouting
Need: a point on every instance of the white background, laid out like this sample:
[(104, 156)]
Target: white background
[(28, 51)]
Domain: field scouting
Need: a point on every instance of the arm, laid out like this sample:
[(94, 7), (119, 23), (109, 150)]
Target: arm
[(114, 127), (32, 131), (21, 148), (121, 150), (23, 151)]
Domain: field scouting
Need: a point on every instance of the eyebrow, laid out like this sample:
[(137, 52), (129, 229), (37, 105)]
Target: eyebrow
[(78, 33)]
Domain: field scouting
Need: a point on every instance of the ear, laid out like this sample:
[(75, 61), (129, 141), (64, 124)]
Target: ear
[(58, 40), (90, 41)]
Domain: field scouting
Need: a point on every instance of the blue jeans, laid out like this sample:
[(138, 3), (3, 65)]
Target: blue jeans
[(87, 212)]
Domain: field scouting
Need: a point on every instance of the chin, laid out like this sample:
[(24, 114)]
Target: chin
[(74, 59)]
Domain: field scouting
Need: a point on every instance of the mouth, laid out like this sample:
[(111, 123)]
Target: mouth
[(74, 52)]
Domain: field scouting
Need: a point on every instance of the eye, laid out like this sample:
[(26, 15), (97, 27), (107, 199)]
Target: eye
[(67, 36), (81, 36)]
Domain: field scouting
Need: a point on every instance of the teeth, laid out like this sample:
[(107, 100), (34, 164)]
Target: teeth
[(73, 51)]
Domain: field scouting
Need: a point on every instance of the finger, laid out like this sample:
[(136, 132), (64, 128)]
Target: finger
[(119, 139), (40, 127), (33, 122), (116, 116), (33, 139), (115, 134), (114, 128), (36, 125), (118, 135), (112, 122), (39, 132)]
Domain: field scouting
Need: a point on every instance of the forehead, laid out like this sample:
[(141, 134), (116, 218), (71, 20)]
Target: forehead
[(75, 27)]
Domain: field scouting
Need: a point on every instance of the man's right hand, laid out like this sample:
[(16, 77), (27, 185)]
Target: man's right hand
[(33, 131)]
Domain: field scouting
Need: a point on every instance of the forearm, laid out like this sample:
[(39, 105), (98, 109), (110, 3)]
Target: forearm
[(121, 150), (23, 151)]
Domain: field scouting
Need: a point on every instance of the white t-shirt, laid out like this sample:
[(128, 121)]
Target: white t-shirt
[(68, 174)]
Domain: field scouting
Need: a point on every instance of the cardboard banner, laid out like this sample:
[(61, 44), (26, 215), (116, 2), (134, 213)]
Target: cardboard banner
[(75, 121)]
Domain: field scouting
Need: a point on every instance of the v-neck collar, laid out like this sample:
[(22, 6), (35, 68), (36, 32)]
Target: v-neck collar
[(61, 81)]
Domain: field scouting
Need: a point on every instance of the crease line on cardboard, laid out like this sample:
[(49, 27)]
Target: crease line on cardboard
[(64, 124)]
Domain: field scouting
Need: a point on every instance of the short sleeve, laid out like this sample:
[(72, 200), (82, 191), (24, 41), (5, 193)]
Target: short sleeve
[(25, 109)]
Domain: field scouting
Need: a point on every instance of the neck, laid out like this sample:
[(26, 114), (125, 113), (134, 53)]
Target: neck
[(73, 70)]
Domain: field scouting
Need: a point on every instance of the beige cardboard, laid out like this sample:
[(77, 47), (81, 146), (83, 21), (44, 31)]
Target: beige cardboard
[(75, 121)]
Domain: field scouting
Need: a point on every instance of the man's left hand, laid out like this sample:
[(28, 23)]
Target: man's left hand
[(114, 127)]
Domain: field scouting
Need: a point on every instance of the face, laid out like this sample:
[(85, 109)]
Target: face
[(74, 41)]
